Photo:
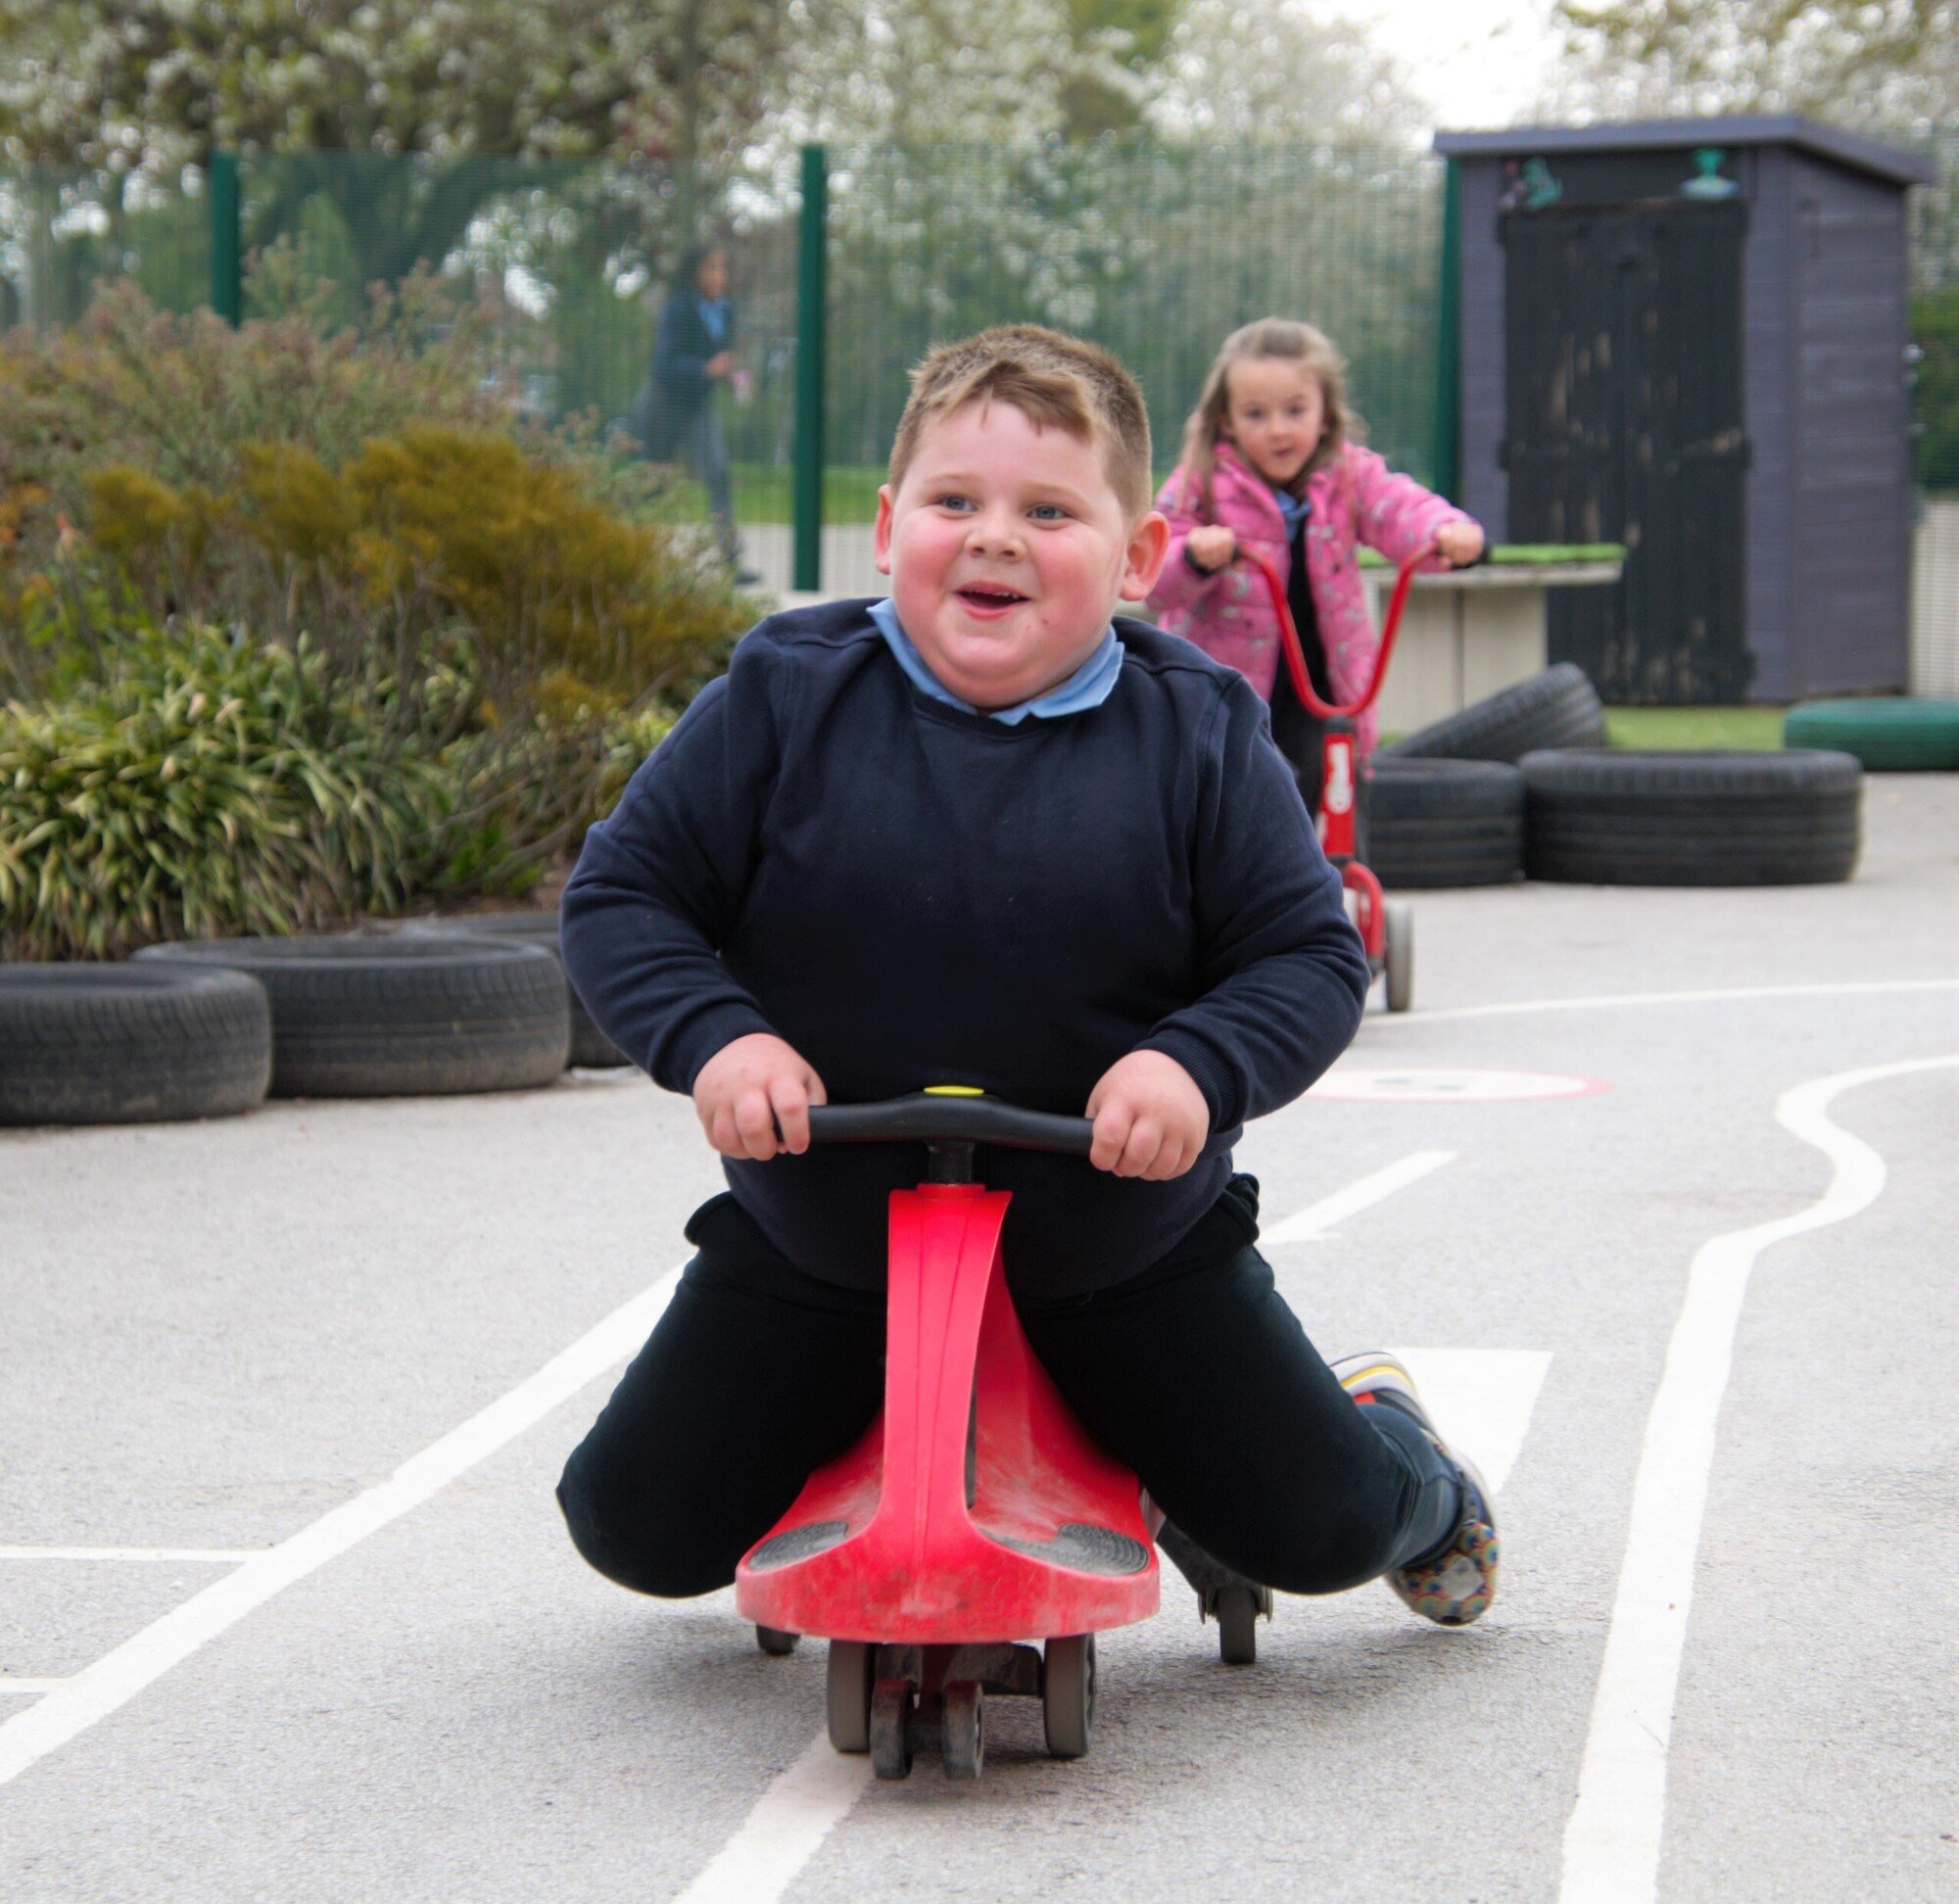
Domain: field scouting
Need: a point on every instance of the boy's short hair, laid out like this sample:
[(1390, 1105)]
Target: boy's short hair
[(1057, 381)]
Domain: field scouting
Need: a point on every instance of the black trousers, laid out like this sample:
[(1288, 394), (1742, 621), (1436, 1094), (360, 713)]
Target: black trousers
[(1195, 1374)]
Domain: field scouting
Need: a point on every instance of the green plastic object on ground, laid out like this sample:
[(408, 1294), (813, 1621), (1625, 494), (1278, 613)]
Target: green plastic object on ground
[(1888, 736)]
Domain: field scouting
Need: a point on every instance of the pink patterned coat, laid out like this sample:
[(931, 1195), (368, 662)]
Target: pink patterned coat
[(1356, 498)]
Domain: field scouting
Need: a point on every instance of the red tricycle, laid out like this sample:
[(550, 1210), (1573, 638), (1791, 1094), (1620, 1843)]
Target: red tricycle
[(1386, 925), (975, 1515)]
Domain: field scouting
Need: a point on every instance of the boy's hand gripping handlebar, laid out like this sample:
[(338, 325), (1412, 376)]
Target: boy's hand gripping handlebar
[(1295, 656)]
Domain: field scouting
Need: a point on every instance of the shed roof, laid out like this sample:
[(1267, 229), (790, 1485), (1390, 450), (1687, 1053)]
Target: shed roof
[(1641, 135)]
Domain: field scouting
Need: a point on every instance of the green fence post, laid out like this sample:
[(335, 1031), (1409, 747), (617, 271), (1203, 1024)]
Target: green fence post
[(1449, 342), (227, 289), (807, 492)]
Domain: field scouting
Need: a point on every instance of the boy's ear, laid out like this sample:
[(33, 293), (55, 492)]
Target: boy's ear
[(881, 536), (1149, 544)]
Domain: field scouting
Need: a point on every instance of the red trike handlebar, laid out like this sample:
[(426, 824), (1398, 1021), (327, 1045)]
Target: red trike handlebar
[(1295, 658)]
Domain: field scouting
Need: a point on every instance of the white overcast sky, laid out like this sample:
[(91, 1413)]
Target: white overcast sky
[(1479, 62)]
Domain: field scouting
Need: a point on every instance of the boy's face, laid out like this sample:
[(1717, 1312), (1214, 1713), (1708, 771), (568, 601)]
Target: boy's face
[(1008, 550)]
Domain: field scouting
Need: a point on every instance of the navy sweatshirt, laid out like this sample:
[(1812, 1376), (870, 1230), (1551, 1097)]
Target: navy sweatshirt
[(911, 894)]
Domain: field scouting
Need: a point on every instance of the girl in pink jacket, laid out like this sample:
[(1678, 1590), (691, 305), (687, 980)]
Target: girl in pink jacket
[(1270, 464)]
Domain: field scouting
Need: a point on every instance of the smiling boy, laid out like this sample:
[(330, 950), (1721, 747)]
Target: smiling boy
[(985, 833)]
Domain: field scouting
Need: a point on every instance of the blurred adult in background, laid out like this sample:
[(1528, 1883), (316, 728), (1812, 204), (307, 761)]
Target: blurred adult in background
[(693, 356)]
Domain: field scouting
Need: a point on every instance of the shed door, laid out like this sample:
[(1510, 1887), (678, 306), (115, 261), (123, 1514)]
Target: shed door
[(1623, 360)]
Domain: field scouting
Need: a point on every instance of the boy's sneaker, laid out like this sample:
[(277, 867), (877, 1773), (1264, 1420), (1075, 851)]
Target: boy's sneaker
[(1457, 1582)]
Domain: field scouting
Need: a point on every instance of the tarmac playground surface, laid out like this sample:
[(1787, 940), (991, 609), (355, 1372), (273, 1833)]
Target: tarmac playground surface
[(1656, 1186)]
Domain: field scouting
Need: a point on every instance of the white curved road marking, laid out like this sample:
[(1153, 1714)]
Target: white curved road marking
[(1613, 1839)]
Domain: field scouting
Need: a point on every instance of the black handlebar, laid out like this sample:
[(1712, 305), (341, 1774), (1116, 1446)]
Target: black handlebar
[(939, 1119)]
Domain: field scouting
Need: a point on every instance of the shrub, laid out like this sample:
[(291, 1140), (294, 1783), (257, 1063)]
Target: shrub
[(366, 489), (205, 788), (213, 787)]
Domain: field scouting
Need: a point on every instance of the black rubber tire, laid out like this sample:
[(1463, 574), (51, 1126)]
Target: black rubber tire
[(964, 1733), (892, 1729), (1733, 818), (1902, 736), (1557, 708), (1237, 1614), (399, 1016), (1068, 1694), (847, 1693), (591, 1048), (1445, 822), (90, 1044), (774, 1643)]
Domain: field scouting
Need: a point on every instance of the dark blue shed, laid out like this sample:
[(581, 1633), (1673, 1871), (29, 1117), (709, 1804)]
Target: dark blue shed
[(1689, 336)]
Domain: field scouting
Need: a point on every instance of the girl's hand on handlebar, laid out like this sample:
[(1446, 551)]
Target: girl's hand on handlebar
[(1458, 544), (749, 1090), (1150, 1118), (1211, 546)]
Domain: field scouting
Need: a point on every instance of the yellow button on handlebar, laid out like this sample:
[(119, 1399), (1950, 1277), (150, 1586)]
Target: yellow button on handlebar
[(953, 1090)]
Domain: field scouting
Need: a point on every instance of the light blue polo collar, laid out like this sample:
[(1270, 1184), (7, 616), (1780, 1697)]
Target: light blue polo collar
[(1089, 686)]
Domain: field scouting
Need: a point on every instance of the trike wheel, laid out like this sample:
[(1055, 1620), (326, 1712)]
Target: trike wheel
[(848, 1695), (892, 1729), (1068, 1694), (774, 1642), (964, 1731), (1399, 922), (1237, 1610)]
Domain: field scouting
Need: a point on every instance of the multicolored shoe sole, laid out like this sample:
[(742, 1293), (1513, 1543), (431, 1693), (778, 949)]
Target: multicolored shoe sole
[(1455, 1584)]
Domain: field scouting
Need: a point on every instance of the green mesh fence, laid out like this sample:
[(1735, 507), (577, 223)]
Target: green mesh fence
[(1934, 320), (1156, 252), (63, 234)]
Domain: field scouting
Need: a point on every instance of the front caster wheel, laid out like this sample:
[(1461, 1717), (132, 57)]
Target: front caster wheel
[(1237, 1610), (772, 1641), (965, 1725), (848, 1695), (892, 1729), (1068, 1694)]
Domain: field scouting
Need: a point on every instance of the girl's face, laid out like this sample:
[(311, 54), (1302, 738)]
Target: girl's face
[(1275, 412), (711, 275)]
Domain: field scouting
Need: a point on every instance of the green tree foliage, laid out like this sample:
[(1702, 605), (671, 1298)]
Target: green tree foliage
[(153, 84), (1887, 63)]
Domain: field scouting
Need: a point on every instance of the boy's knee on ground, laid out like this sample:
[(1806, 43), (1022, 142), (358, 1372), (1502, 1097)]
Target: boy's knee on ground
[(620, 1534)]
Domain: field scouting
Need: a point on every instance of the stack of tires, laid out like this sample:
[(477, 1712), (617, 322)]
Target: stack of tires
[(1445, 804), (1523, 783), (209, 1028)]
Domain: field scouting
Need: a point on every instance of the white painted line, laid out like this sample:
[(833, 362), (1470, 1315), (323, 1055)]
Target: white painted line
[(116, 1679), (1616, 1001), (1317, 1219), (1613, 1839), (783, 1832), (9, 1683), (1481, 1399), (214, 1556)]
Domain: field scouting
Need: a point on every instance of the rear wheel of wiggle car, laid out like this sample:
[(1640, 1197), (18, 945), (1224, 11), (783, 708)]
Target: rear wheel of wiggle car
[(1068, 1694), (848, 1695), (1398, 957)]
